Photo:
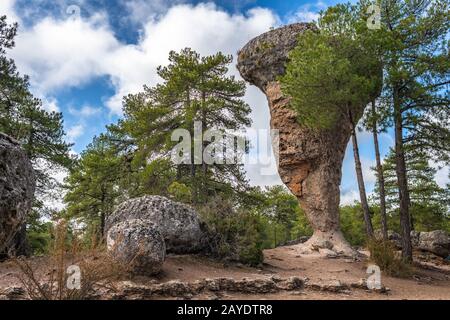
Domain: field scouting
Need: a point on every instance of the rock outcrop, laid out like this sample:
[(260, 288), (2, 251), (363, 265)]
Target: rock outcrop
[(310, 161), (17, 186), (436, 242), (178, 223), (138, 246)]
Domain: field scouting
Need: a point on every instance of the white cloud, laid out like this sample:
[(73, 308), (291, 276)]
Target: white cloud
[(50, 104), (368, 173), (63, 53), (7, 8), (304, 15), (308, 12), (442, 175), (349, 197), (75, 132), (85, 111), (142, 11), (204, 27), (68, 53)]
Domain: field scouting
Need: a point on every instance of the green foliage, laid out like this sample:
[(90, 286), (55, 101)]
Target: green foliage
[(39, 234), (352, 224), (234, 234), (93, 184), (194, 89), (330, 74), (180, 192), (429, 203), (285, 220), (384, 255)]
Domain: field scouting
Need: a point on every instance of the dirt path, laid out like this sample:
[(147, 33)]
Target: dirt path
[(285, 262)]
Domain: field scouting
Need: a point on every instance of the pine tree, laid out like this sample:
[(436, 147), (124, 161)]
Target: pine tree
[(94, 185), (194, 89), (429, 203), (376, 121), (414, 38)]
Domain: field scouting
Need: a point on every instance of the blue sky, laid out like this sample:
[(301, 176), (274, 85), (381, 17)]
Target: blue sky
[(83, 56)]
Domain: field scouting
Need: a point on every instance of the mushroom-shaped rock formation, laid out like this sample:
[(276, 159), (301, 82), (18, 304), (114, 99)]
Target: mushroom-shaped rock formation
[(309, 160), (17, 185)]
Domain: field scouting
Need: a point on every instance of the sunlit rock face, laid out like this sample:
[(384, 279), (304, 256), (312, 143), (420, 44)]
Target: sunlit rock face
[(310, 161), (17, 186)]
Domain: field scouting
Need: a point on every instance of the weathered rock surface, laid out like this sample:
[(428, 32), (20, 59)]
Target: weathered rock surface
[(138, 245), (176, 288), (310, 161), (437, 242), (178, 223), (217, 287), (17, 186)]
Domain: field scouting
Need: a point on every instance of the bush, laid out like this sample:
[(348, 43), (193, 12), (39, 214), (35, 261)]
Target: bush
[(180, 192), (352, 224), (384, 255), (98, 270), (233, 234)]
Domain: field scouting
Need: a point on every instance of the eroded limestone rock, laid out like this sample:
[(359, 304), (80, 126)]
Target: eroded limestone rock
[(310, 161), (178, 223), (138, 245), (437, 242), (17, 186)]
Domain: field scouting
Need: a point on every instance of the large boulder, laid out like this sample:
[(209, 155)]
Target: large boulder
[(178, 223), (137, 245), (437, 242), (17, 186), (309, 160)]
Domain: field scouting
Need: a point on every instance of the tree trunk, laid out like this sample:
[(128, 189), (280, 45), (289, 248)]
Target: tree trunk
[(361, 186), (405, 218), (102, 217), (384, 227)]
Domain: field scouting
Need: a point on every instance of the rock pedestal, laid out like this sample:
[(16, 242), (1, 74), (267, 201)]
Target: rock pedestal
[(17, 186), (310, 160)]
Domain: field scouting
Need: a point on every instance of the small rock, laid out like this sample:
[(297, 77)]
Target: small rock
[(327, 253)]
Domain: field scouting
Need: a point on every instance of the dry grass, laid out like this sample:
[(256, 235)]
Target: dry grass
[(98, 271), (384, 255)]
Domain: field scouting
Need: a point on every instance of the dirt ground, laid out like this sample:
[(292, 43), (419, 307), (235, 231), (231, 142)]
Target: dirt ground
[(430, 282)]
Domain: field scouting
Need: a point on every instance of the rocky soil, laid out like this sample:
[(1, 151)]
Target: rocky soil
[(285, 275)]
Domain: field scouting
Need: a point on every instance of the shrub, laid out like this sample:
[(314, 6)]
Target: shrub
[(233, 234), (98, 270), (180, 192), (384, 255)]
